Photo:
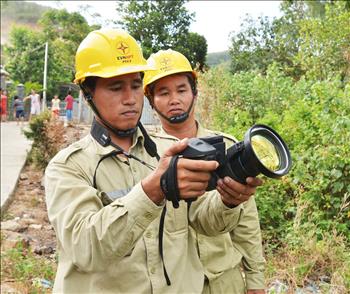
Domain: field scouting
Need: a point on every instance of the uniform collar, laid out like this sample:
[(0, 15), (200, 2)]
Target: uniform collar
[(137, 139), (201, 132)]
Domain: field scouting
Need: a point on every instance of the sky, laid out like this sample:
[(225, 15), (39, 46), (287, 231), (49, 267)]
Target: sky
[(214, 19)]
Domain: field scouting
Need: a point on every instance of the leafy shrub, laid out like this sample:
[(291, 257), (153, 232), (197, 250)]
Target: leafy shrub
[(47, 135), (313, 118)]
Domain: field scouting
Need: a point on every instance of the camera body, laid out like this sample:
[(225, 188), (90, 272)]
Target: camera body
[(210, 148)]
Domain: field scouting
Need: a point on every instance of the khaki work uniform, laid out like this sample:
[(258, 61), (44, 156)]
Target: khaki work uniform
[(108, 237), (221, 255)]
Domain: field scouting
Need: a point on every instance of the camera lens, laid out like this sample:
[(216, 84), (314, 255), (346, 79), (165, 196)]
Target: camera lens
[(271, 154), (261, 151), (266, 152)]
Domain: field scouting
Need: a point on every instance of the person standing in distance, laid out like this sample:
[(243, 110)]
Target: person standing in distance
[(3, 105), (103, 192), (172, 91), (18, 109), (69, 107), (34, 105), (55, 107)]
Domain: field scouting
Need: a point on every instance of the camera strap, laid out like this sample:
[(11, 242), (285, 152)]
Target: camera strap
[(168, 182), (101, 135), (170, 188), (110, 154), (160, 244)]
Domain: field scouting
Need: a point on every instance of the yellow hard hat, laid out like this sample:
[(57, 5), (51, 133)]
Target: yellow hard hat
[(166, 62), (107, 53)]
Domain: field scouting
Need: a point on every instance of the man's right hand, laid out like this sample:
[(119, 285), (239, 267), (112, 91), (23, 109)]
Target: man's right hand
[(192, 175)]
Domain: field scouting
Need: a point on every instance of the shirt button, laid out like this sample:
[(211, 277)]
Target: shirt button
[(153, 270), (134, 169), (148, 234)]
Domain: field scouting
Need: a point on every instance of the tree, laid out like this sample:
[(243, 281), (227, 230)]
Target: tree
[(65, 31), (194, 47), (262, 42), (300, 41), (253, 47), (25, 53), (325, 43), (60, 24), (162, 25)]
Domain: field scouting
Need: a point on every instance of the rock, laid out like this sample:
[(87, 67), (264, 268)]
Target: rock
[(28, 221), (13, 239), (325, 279), (10, 225), (277, 287), (23, 176), (6, 288), (35, 192), (35, 226), (40, 250), (48, 227)]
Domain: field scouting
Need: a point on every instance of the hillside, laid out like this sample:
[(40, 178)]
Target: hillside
[(19, 13), (217, 58)]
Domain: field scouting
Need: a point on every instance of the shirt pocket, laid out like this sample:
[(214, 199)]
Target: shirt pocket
[(217, 254)]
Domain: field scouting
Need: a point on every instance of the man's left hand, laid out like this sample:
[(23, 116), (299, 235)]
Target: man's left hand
[(234, 193)]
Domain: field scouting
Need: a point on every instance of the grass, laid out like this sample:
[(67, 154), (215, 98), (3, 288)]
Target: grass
[(325, 263), (6, 216), (26, 271)]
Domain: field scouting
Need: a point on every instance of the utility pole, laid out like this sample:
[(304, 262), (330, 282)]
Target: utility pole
[(45, 76)]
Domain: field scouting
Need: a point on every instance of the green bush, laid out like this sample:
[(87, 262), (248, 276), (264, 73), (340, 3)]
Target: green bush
[(314, 119), (47, 136)]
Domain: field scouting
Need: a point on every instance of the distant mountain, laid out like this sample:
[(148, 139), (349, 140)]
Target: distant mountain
[(217, 58), (19, 13)]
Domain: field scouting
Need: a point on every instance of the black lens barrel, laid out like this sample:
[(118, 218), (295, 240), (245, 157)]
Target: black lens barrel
[(245, 163)]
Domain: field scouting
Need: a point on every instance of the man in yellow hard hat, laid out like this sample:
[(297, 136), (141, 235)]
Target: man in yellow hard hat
[(172, 91), (116, 232)]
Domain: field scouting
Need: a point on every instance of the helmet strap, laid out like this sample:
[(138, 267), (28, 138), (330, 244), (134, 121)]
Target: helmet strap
[(177, 118), (150, 146)]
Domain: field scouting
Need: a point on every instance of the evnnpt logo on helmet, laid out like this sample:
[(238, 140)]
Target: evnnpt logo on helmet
[(124, 50), (166, 64)]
